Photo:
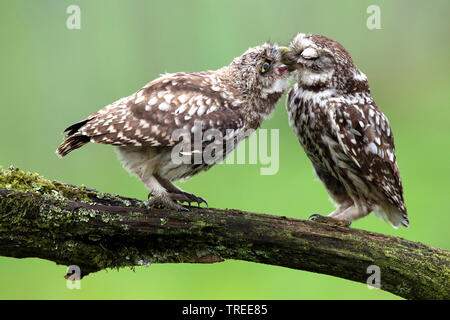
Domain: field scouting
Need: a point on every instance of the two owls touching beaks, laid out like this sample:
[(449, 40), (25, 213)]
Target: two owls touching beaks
[(345, 135)]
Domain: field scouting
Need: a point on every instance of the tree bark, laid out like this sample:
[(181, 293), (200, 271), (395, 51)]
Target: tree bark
[(73, 225)]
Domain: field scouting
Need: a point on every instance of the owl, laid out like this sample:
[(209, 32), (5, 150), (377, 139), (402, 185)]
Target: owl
[(148, 126), (343, 132)]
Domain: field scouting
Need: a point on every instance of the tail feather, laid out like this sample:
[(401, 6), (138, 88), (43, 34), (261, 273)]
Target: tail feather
[(392, 215), (74, 139), (73, 129), (72, 143)]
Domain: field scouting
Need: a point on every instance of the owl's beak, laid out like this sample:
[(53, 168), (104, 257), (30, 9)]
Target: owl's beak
[(284, 49), (287, 58)]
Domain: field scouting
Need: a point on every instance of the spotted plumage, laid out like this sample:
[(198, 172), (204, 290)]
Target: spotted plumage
[(345, 135), (143, 126)]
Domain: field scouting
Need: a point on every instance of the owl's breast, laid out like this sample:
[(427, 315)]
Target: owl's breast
[(309, 122)]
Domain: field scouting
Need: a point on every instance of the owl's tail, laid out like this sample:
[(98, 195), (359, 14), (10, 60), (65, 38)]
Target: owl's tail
[(74, 139), (392, 215), (72, 143)]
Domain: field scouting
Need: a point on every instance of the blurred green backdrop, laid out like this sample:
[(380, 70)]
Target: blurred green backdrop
[(52, 77)]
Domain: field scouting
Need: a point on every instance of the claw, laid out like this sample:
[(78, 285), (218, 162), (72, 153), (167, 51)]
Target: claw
[(194, 198), (202, 201)]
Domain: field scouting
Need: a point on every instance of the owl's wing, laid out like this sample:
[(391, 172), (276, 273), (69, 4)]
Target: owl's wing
[(364, 134), (190, 102)]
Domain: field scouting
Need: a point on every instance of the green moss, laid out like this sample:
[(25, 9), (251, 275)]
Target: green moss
[(18, 180)]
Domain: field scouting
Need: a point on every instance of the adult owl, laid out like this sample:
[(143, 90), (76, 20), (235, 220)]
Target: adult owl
[(145, 126), (343, 132)]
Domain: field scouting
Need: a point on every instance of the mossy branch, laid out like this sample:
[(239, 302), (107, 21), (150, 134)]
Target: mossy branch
[(73, 225)]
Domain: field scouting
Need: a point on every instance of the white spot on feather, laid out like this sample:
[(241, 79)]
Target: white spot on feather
[(153, 101), (181, 109), (211, 109), (140, 99), (390, 155), (182, 98), (373, 148), (192, 110), (201, 110), (164, 106), (168, 97), (377, 140)]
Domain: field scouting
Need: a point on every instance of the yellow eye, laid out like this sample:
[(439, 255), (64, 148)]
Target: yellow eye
[(265, 67)]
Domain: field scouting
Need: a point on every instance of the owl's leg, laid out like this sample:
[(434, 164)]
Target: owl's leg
[(159, 196), (355, 212), (341, 207), (178, 194), (336, 190), (142, 163)]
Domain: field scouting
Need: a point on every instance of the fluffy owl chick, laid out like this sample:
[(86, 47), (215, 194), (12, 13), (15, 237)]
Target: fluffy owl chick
[(345, 135), (146, 126)]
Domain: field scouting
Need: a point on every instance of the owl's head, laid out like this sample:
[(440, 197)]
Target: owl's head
[(323, 63), (259, 72)]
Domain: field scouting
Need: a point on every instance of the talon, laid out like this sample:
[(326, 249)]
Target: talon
[(314, 216), (201, 200), (196, 199)]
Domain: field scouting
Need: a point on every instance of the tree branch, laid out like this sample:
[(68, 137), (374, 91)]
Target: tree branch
[(73, 225)]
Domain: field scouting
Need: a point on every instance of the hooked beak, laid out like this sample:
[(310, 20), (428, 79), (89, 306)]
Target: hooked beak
[(288, 58), (284, 50)]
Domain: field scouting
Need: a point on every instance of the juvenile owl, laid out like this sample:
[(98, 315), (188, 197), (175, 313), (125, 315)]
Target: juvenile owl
[(147, 126), (345, 135)]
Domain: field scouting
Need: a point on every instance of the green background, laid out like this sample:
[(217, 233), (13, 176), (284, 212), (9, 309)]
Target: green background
[(51, 77)]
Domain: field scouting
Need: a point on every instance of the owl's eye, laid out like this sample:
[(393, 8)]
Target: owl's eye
[(266, 66)]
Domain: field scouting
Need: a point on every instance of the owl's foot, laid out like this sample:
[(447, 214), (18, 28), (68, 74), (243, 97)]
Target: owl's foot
[(178, 194), (189, 197), (329, 220), (165, 201)]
